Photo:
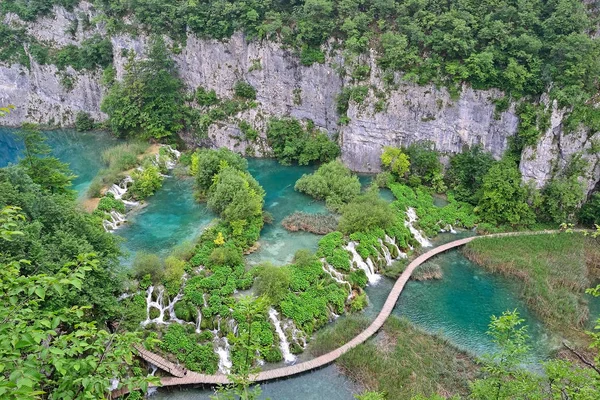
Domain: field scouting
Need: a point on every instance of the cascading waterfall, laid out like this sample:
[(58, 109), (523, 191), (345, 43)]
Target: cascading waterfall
[(386, 253), (392, 242), (368, 266), (222, 350), (284, 345), (160, 306), (419, 237), (118, 191), (199, 322), (116, 220), (336, 276)]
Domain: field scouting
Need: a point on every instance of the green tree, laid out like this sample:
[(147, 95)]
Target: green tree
[(235, 195), (396, 161), (48, 172), (148, 103), (366, 212), (466, 173), (503, 198), (210, 162), (425, 165), (332, 182), (53, 353), (272, 282)]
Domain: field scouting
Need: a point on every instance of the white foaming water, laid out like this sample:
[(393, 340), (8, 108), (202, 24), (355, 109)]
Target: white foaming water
[(288, 357), (419, 237), (386, 252), (392, 241), (116, 220), (336, 276), (199, 322), (368, 266), (159, 304), (222, 350)]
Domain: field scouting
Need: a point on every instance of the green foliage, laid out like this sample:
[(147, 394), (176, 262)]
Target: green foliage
[(466, 172), (293, 143), (366, 212), (148, 103), (206, 98), (590, 212), (148, 264), (84, 122), (310, 55), (109, 203), (337, 335), (272, 282), (355, 93), (425, 165), (332, 182), (145, 182), (250, 133), (503, 196), (12, 48), (48, 172), (562, 197), (244, 90), (432, 219), (196, 357), (394, 160), (95, 52), (210, 163), (235, 195)]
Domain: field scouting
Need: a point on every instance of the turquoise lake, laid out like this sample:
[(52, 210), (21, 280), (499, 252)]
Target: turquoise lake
[(457, 307)]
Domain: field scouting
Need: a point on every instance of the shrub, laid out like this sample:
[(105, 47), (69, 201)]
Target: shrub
[(145, 182), (272, 282), (210, 163), (84, 122), (109, 203), (366, 212), (244, 90), (148, 264), (332, 182), (293, 143), (206, 98)]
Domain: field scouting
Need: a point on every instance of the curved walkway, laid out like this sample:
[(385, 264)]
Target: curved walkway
[(191, 377)]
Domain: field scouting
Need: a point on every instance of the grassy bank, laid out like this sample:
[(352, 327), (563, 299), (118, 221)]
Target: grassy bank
[(554, 270), (338, 334), (404, 362)]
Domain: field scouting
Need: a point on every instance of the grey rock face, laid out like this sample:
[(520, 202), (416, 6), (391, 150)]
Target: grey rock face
[(411, 113)]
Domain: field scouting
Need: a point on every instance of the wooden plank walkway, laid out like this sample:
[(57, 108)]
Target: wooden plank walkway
[(192, 378)]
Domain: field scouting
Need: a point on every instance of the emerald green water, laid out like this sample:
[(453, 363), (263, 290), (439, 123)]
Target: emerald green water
[(82, 151), (170, 217), (458, 307), (277, 245)]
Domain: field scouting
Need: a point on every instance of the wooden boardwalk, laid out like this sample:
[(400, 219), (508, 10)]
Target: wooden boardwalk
[(192, 378)]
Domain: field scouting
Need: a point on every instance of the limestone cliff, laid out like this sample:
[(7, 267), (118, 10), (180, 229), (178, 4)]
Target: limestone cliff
[(286, 88)]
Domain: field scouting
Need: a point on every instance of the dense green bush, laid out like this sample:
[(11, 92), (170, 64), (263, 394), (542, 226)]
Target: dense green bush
[(145, 182), (504, 197), (590, 212), (194, 356), (244, 90), (293, 143), (209, 162), (95, 52), (84, 122), (109, 203), (235, 195), (466, 172), (205, 97), (366, 212), (332, 182), (148, 264), (148, 103), (272, 282)]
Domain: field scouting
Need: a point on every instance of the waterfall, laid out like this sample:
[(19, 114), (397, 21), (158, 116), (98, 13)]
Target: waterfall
[(232, 325), (222, 350), (159, 304), (336, 276), (368, 266), (386, 253), (392, 241), (288, 357), (419, 237), (199, 322), (116, 219)]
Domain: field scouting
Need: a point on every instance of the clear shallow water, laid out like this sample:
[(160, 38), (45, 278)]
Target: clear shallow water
[(170, 217), (81, 150), (325, 383), (277, 245)]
